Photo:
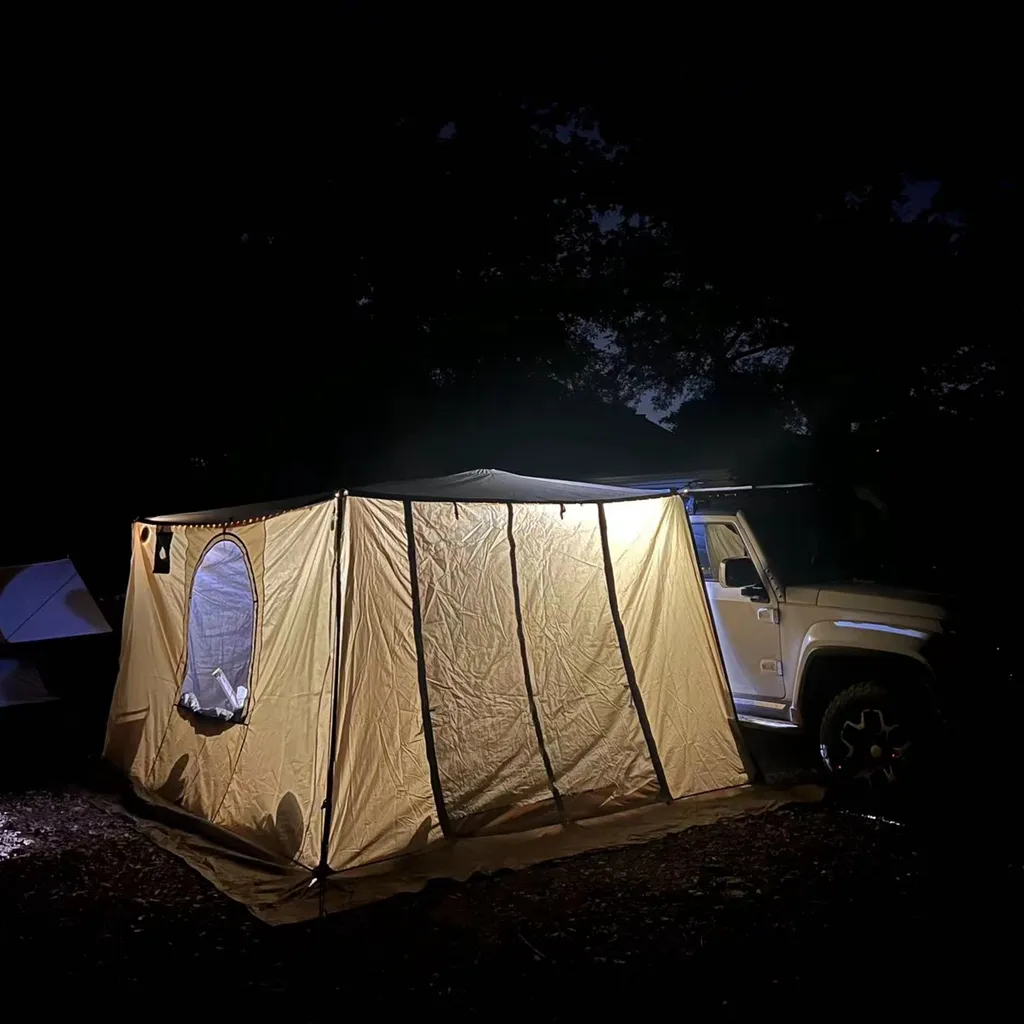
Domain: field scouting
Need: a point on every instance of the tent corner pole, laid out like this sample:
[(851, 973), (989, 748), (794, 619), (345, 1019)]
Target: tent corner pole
[(322, 869)]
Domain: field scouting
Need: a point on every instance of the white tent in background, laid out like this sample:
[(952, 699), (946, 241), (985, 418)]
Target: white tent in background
[(40, 602), (21, 683), (448, 668), (46, 601)]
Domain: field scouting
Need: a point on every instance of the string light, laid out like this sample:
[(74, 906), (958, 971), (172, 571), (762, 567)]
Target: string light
[(228, 522)]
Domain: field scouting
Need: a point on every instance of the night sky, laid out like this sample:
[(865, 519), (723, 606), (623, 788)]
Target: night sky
[(194, 256)]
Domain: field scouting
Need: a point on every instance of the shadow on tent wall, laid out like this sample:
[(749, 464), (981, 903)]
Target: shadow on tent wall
[(275, 838)]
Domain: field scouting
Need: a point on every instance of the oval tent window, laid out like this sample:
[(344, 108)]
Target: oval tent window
[(221, 616)]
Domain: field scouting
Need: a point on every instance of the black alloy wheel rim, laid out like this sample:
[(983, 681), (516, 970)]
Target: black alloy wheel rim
[(870, 748)]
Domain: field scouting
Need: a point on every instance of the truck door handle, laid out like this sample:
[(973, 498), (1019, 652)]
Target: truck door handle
[(768, 615)]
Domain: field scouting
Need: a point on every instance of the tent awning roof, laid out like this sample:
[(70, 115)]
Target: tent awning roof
[(495, 485), (237, 513), (473, 485)]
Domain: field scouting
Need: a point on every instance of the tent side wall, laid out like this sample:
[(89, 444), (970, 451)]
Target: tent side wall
[(590, 726), (383, 802), (262, 779), (479, 663), (672, 645)]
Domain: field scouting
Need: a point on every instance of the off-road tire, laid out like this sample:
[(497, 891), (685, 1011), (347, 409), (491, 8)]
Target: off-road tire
[(870, 738)]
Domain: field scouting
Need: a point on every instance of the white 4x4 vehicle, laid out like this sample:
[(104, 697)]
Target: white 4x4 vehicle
[(852, 664)]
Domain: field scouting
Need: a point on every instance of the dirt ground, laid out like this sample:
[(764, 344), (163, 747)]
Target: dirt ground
[(819, 908)]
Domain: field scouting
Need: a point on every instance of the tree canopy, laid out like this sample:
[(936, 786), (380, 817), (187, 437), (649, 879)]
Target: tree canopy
[(784, 252)]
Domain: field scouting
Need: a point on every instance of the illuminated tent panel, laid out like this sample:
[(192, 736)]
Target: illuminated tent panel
[(468, 660)]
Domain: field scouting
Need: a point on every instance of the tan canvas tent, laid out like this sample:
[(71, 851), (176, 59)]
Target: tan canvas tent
[(371, 676)]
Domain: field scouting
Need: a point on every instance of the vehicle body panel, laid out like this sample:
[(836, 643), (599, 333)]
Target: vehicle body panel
[(798, 624)]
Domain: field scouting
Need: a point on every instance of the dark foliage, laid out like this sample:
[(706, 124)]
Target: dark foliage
[(247, 285)]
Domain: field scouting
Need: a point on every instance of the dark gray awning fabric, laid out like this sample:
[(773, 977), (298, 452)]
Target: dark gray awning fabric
[(473, 485), (494, 485), (237, 514)]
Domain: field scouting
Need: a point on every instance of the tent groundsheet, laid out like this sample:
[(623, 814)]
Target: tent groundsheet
[(421, 679), (282, 893)]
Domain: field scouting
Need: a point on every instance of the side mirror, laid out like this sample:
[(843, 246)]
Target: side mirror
[(738, 572)]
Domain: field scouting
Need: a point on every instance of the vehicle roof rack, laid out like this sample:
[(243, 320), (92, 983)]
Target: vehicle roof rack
[(742, 487)]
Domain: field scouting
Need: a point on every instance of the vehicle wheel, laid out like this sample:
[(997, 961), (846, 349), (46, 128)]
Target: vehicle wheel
[(869, 739)]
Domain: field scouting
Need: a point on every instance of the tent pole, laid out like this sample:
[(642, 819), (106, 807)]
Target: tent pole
[(322, 869), (627, 661), (421, 674), (534, 714)]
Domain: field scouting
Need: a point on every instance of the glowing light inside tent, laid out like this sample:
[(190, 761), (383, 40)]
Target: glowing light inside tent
[(630, 520), (627, 520)]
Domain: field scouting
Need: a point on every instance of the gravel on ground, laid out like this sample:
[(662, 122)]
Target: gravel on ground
[(814, 908)]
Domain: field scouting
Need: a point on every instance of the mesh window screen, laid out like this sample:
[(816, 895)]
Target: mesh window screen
[(221, 616)]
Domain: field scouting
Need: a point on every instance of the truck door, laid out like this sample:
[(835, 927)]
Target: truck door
[(748, 630)]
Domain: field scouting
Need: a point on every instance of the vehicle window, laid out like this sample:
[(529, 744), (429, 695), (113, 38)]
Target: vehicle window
[(700, 542), (715, 541)]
